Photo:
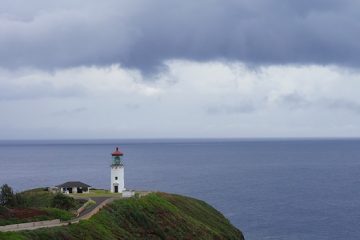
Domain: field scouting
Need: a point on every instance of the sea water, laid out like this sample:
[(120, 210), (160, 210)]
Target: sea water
[(270, 189)]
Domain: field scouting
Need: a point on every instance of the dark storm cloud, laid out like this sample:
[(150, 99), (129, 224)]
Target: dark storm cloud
[(143, 34)]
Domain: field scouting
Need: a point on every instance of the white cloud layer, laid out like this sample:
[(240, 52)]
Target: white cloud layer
[(191, 99)]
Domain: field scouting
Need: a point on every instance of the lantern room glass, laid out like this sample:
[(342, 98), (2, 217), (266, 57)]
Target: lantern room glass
[(116, 160)]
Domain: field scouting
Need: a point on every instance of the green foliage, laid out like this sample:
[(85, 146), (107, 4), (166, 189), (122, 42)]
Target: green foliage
[(9, 221), (155, 216), (56, 213), (62, 201), (32, 198), (20, 200), (41, 198), (35, 205), (3, 210), (7, 196), (11, 236), (37, 198), (47, 214)]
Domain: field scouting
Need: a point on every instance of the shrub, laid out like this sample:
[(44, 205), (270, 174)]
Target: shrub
[(20, 200), (55, 213), (3, 210), (37, 198), (63, 202)]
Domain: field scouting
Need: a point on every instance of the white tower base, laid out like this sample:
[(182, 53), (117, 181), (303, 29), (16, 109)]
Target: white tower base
[(117, 179)]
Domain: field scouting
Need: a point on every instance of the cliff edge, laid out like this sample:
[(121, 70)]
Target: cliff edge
[(155, 216)]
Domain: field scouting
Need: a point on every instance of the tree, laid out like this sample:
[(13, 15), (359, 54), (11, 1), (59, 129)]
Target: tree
[(7, 196), (63, 202)]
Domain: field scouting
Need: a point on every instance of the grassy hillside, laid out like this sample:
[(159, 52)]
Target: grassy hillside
[(42, 198), (37, 205), (155, 216)]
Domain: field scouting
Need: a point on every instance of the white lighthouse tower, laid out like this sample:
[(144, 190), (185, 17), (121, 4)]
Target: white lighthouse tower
[(117, 172)]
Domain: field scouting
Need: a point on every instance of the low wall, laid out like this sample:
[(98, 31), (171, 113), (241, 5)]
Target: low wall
[(30, 225)]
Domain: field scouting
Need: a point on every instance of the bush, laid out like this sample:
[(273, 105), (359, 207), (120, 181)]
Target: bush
[(7, 196), (3, 210), (37, 198), (63, 202), (55, 213), (20, 200)]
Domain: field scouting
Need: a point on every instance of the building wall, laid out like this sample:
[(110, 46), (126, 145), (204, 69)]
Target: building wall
[(127, 194), (117, 171), (74, 190)]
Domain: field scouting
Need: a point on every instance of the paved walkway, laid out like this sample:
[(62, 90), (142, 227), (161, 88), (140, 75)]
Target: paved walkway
[(100, 202)]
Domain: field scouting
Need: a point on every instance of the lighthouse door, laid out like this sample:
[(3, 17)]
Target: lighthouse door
[(116, 189)]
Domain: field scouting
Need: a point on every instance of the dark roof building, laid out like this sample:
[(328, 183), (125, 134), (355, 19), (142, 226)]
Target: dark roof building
[(74, 187)]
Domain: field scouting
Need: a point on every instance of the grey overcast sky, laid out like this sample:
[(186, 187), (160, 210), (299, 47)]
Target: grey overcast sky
[(167, 69)]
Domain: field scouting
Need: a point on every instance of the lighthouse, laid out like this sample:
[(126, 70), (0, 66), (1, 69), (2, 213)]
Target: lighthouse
[(117, 172)]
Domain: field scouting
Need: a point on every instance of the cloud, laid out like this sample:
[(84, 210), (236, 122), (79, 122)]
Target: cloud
[(191, 99), (143, 35), (76, 82), (342, 104), (295, 101), (72, 111), (46, 89), (231, 109)]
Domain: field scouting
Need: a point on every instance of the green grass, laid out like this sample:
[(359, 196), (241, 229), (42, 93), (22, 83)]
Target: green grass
[(41, 199), (155, 216), (9, 221), (96, 193), (38, 198), (56, 213), (49, 214), (3, 210)]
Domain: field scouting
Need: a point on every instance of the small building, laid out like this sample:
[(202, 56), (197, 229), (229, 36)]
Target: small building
[(128, 194), (74, 187)]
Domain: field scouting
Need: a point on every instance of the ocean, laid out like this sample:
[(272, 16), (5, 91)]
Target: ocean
[(269, 188)]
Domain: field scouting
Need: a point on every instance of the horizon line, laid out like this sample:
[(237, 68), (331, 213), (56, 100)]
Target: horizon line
[(179, 139)]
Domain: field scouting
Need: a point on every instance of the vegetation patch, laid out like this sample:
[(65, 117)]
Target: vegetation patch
[(155, 216), (35, 205)]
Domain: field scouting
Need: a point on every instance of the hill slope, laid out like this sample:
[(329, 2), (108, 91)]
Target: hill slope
[(155, 216)]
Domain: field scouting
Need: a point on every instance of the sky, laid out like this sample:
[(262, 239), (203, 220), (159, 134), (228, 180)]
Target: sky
[(76, 69)]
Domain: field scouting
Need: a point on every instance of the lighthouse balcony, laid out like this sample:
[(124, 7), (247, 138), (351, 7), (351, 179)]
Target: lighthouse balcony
[(117, 165)]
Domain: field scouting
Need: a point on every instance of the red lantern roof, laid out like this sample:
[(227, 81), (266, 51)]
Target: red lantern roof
[(117, 153)]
